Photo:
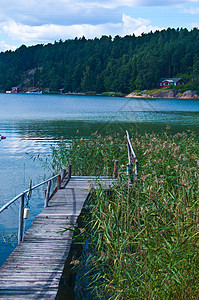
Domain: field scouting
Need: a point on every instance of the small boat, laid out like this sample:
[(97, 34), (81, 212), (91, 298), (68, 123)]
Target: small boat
[(35, 93), (2, 137)]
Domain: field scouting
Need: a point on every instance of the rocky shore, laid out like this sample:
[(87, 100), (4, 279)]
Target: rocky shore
[(164, 94)]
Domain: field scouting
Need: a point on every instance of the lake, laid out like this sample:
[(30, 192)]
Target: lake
[(33, 123)]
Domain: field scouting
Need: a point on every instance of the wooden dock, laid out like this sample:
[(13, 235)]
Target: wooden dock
[(34, 269)]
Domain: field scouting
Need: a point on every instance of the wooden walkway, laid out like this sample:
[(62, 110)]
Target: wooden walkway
[(34, 269)]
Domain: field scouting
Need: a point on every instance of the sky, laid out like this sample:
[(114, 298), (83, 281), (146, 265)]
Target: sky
[(31, 22)]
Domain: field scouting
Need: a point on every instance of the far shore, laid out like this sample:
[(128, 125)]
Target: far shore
[(150, 94), (169, 94)]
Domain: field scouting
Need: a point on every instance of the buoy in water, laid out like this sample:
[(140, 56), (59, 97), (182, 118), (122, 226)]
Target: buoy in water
[(3, 137)]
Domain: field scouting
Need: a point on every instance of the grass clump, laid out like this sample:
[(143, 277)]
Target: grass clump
[(142, 242)]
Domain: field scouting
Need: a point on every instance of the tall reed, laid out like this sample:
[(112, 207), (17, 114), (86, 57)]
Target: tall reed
[(142, 242)]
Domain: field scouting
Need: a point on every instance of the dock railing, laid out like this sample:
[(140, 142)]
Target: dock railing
[(65, 174), (132, 166)]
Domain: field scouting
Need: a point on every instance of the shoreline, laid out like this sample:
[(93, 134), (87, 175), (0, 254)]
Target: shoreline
[(153, 94), (171, 94)]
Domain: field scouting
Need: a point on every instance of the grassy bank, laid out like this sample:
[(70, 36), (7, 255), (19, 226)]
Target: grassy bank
[(141, 242)]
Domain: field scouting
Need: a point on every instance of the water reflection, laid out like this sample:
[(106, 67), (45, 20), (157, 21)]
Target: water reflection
[(50, 131)]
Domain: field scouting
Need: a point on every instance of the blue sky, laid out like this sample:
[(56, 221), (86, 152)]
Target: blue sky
[(31, 22)]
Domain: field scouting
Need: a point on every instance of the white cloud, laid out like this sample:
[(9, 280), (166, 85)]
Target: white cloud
[(36, 21), (191, 10), (68, 12), (4, 46), (48, 32), (138, 25), (62, 12)]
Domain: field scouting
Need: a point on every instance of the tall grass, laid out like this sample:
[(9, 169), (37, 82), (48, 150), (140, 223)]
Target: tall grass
[(94, 156), (142, 242)]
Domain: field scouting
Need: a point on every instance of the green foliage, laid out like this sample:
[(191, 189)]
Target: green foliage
[(193, 85), (93, 156), (105, 64), (142, 242)]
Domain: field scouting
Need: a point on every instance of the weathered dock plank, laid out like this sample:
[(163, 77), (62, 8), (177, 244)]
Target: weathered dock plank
[(34, 269)]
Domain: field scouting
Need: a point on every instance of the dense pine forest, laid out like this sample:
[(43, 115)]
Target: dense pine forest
[(119, 64)]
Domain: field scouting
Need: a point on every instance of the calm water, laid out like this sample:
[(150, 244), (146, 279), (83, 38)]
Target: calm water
[(32, 123)]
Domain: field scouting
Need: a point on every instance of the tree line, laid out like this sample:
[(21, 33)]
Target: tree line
[(119, 64)]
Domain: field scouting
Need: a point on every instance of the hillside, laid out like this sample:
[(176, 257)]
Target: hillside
[(103, 65)]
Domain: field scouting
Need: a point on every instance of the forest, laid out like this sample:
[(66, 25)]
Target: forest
[(119, 64)]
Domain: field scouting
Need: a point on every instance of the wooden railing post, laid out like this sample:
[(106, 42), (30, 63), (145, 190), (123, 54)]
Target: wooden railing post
[(136, 169), (21, 212), (58, 182), (115, 172), (128, 169), (63, 173), (47, 195), (69, 171)]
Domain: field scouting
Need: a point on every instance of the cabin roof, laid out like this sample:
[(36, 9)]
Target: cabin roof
[(171, 79)]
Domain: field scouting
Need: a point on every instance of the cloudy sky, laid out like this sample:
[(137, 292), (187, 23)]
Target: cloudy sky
[(31, 22)]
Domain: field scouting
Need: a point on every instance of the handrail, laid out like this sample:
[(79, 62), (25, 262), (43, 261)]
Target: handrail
[(59, 177), (131, 157), (130, 145), (26, 191)]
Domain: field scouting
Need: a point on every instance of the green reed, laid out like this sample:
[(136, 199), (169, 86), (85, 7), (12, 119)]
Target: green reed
[(143, 241), (94, 156)]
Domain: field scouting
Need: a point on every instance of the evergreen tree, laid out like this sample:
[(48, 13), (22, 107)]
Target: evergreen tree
[(106, 64)]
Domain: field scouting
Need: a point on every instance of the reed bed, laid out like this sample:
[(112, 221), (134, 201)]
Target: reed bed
[(142, 241)]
